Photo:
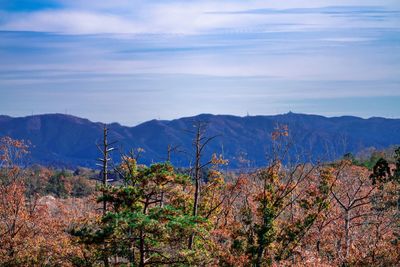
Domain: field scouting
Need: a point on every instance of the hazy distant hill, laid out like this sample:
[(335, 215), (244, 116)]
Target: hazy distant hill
[(70, 141)]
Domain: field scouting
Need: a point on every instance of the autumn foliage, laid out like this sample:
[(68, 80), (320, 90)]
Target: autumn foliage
[(290, 213)]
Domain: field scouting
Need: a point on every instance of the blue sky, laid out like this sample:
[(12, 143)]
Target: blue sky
[(131, 61)]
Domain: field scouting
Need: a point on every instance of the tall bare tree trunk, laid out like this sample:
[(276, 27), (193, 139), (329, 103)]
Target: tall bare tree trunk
[(197, 180), (105, 165)]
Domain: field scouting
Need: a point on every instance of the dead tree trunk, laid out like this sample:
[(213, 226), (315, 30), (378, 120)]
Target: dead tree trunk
[(105, 165), (200, 142), (196, 179), (104, 149)]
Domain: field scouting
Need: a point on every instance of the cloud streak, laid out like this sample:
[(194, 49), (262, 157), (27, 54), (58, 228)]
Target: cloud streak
[(226, 54), (190, 17)]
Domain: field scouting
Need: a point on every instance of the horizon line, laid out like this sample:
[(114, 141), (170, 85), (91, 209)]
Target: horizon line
[(197, 115)]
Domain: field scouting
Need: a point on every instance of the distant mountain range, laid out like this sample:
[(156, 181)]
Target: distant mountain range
[(68, 141)]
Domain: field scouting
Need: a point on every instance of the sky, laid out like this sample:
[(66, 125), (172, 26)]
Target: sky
[(131, 61)]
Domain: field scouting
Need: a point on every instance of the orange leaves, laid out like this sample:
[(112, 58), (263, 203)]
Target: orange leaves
[(33, 232), (129, 166), (17, 222), (11, 150), (280, 131), (218, 160), (215, 178), (32, 229)]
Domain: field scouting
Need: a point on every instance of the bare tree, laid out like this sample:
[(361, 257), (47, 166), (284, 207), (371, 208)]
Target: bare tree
[(105, 149), (200, 141), (352, 194), (172, 149)]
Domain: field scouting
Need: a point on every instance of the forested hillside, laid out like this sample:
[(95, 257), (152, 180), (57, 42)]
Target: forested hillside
[(62, 140)]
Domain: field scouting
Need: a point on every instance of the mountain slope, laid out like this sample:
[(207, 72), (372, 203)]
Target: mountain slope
[(64, 140)]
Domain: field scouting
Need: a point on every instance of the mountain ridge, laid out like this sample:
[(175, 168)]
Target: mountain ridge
[(67, 140), (56, 114)]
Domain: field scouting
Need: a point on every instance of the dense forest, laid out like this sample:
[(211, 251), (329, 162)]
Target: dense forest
[(66, 141), (291, 212)]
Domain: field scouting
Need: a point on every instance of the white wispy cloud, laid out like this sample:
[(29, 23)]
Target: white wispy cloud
[(187, 17), (70, 22)]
